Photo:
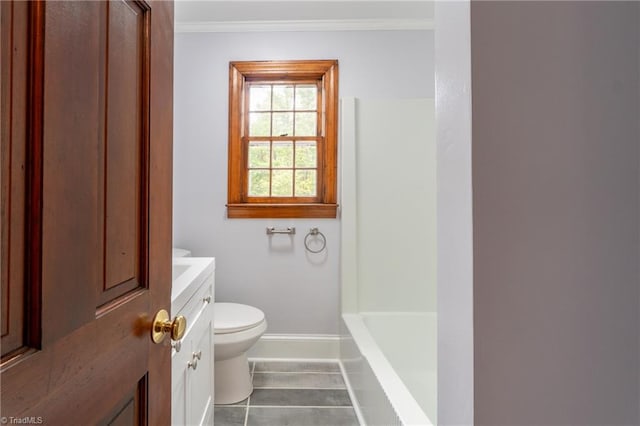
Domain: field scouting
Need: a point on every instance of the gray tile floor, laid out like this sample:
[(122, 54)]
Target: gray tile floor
[(292, 394)]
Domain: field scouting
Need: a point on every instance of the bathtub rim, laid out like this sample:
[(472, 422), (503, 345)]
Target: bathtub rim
[(402, 401)]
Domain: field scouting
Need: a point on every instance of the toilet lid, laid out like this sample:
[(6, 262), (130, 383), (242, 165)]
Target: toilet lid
[(232, 317)]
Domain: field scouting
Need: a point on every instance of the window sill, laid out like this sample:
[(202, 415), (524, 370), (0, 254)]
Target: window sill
[(281, 211)]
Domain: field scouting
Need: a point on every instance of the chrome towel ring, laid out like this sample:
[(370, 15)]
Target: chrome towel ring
[(315, 232)]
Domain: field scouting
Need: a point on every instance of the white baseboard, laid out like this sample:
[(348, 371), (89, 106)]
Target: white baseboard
[(316, 347)]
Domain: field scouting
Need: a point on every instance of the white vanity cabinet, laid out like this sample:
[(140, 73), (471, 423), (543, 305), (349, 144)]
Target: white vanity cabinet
[(192, 358)]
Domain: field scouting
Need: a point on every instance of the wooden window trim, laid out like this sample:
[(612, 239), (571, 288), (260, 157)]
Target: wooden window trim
[(323, 206)]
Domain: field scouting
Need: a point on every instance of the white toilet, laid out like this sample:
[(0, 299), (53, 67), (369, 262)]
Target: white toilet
[(236, 328)]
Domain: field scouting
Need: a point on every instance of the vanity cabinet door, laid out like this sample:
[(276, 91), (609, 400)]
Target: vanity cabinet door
[(178, 391), (200, 379), (192, 366)]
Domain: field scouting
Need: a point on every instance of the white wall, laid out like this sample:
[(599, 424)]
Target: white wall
[(299, 293), (556, 146), (455, 249)]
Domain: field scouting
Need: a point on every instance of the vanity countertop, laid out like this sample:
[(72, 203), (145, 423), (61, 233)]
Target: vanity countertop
[(188, 274)]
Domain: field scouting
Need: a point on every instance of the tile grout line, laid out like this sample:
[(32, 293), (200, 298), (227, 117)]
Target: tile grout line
[(316, 370), (297, 388), (246, 414), (302, 406), (334, 373)]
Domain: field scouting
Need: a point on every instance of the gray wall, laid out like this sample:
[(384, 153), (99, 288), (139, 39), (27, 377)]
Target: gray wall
[(298, 292), (556, 212)]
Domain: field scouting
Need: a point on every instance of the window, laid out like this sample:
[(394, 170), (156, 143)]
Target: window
[(283, 132)]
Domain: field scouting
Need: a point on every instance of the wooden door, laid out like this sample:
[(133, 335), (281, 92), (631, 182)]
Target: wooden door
[(86, 110)]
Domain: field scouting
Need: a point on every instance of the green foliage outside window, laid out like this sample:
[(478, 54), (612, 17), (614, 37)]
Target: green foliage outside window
[(277, 167)]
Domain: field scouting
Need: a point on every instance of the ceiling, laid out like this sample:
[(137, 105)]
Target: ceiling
[(223, 14)]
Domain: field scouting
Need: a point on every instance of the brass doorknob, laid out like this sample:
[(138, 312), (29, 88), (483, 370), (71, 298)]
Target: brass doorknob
[(162, 325)]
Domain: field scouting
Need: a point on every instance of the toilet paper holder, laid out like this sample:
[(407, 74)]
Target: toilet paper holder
[(289, 231)]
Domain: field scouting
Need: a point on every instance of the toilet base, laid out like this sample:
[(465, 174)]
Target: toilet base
[(232, 380)]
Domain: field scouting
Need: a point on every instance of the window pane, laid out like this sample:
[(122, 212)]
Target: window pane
[(282, 124), (305, 183), (259, 153), (306, 124), (306, 97), (259, 124), (282, 155), (282, 185), (258, 183), (306, 154), (259, 98), (282, 98)]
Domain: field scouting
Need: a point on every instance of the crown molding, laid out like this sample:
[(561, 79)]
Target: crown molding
[(307, 25)]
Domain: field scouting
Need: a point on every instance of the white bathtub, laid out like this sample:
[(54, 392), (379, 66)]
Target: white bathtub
[(393, 383)]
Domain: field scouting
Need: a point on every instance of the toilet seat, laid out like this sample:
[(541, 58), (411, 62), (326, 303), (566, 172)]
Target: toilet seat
[(235, 317)]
